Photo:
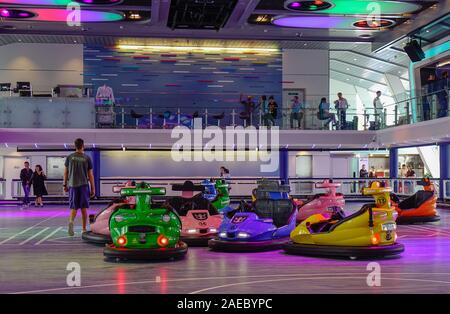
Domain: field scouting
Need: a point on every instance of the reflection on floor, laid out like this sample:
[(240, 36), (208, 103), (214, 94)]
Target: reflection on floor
[(35, 251)]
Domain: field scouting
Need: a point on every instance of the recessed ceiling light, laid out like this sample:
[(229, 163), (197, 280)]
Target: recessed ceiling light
[(262, 19), (348, 69), (134, 16), (355, 59)]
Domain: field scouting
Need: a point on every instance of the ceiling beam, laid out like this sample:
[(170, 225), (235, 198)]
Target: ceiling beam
[(358, 77), (160, 12), (241, 13), (418, 21), (363, 67), (398, 50), (371, 57), (161, 32)]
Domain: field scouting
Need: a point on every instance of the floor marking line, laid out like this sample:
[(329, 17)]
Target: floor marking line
[(444, 231), (335, 275), (66, 237), (15, 235), (48, 236), (26, 230), (310, 278), (429, 228), (34, 236)]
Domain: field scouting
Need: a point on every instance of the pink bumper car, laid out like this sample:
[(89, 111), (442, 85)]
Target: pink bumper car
[(200, 220), (321, 203), (99, 223)]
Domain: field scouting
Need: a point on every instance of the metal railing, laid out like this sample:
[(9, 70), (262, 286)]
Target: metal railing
[(239, 187), (54, 188), (2, 189), (242, 187), (353, 186), (60, 112)]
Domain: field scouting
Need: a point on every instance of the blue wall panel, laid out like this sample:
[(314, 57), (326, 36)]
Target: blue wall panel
[(160, 164)]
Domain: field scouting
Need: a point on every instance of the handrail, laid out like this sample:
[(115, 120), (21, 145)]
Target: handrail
[(243, 186)]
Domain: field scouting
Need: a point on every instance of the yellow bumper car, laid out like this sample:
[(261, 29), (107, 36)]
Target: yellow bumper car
[(368, 233)]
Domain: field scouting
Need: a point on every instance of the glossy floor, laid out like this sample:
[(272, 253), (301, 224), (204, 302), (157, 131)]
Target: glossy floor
[(35, 251)]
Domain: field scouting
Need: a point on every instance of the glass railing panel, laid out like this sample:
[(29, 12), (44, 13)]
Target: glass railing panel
[(59, 112)]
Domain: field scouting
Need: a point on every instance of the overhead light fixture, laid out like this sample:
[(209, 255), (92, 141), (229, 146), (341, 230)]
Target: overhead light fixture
[(4, 13), (58, 15), (134, 16), (307, 5), (443, 63), (192, 48), (374, 24), (15, 13), (262, 18), (350, 7)]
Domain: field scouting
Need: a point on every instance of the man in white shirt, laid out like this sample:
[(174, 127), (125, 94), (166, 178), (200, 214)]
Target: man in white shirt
[(378, 110), (341, 106)]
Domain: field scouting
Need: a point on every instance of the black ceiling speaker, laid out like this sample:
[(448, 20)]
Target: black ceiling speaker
[(414, 51)]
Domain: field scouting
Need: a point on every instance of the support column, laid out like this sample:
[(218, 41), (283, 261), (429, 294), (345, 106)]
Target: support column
[(96, 165), (393, 166), (444, 159), (284, 165)]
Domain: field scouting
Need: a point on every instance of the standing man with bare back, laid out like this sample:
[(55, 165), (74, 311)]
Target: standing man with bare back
[(78, 174)]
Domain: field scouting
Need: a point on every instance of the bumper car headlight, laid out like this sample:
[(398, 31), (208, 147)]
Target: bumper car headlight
[(389, 227), (191, 230), (223, 234), (121, 218), (212, 230), (243, 235), (166, 218)]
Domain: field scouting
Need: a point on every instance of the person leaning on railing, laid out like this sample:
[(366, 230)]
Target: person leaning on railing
[(442, 95), (325, 114), (264, 107)]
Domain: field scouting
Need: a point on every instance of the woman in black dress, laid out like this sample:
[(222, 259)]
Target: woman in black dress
[(37, 179)]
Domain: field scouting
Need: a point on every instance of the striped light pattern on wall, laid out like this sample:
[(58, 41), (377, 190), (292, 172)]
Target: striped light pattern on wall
[(171, 77)]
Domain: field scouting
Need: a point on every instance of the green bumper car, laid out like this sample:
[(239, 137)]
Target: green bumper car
[(148, 232)]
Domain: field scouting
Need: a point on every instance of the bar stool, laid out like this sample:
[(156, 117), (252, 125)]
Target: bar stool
[(196, 116), (218, 117), (136, 116), (164, 117), (244, 116)]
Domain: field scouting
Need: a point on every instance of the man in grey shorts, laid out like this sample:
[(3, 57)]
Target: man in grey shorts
[(78, 174)]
